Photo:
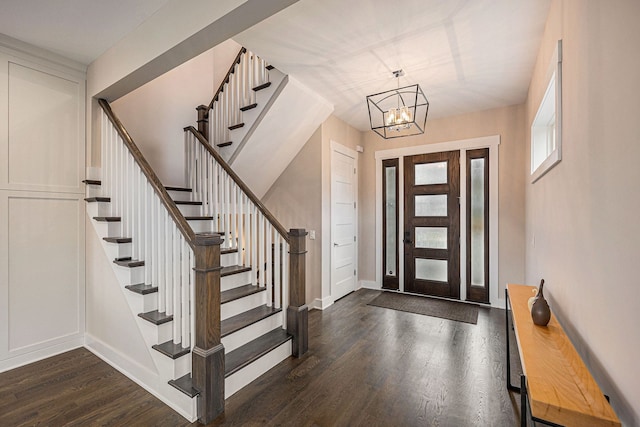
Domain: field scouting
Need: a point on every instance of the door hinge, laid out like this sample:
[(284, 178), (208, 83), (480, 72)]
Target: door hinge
[(354, 272), (354, 238), (354, 205), (354, 171)]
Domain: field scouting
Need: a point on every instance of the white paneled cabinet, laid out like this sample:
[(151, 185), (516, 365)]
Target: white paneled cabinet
[(42, 233)]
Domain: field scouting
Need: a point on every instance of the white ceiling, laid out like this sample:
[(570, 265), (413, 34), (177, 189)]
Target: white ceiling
[(76, 29), (466, 55)]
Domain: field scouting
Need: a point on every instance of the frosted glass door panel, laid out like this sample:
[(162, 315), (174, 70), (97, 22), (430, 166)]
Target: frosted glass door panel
[(390, 207), (431, 269), (431, 237), (431, 205), (477, 222), (431, 173)]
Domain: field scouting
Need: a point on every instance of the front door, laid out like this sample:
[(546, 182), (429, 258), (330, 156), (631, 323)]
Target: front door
[(432, 224)]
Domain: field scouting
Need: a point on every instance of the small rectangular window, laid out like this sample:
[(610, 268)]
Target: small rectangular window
[(546, 129), (390, 223)]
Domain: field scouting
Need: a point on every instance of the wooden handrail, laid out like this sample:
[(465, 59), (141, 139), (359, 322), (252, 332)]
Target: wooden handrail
[(272, 219), (166, 200), (226, 78)]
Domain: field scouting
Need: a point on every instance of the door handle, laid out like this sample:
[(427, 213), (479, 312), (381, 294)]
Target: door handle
[(335, 244), (407, 238)]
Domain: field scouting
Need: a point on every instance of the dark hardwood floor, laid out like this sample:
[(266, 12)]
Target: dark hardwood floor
[(366, 366)]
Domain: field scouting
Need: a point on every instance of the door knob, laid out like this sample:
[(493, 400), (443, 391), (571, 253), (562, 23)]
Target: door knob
[(335, 244), (407, 238)]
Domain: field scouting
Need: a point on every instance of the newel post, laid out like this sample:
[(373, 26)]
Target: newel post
[(208, 352), (298, 312), (203, 120)]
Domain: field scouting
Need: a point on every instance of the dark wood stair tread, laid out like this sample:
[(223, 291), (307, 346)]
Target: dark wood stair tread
[(117, 239), (262, 86), (249, 107), (186, 190), (97, 199), (92, 182), (107, 218), (239, 292), (185, 385), (253, 350), (270, 67), (198, 218), (156, 317), (242, 320), (187, 202), (128, 262), (142, 288), (228, 250), (171, 350), (233, 269), (225, 144), (236, 126)]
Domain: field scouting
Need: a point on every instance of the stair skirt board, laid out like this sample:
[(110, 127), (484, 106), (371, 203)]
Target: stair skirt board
[(145, 377), (236, 381)]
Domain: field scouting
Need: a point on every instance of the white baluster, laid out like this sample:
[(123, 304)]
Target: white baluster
[(276, 271), (177, 307), (168, 261), (254, 244), (184, 298), (192, 296), (269, 261), (161, 282)]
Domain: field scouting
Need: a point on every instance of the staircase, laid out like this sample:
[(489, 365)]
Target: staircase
[(259, 113), (207, 270)]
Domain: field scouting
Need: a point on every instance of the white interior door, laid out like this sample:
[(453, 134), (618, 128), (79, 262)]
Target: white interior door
[(343, 221)]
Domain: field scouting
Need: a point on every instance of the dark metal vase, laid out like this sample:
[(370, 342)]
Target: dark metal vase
[(540, 312)]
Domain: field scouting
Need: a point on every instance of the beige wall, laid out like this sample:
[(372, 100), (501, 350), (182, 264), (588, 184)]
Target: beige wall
[(295, 200), (156, 113), (301, 198), (583, 214), (507, 122)]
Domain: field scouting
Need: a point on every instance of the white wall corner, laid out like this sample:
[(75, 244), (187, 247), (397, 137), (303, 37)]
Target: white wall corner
[(322, 303), (368, 284)]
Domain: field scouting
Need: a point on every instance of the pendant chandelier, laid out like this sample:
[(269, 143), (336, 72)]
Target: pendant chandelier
[(398, 112)]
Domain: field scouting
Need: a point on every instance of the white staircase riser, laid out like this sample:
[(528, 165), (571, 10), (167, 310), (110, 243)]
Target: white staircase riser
[(128, 275), (244, 335), (172, 368), (118, 250), (241, 305), (180, 195), (190, 210), (235, 280), (229, 259), (155, 334), (98, 209), (200, 226), (93, 190), (142, 303), (238, 380), (106, 229)]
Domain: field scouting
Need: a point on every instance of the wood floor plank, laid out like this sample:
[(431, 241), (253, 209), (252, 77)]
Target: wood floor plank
[(366, 366)]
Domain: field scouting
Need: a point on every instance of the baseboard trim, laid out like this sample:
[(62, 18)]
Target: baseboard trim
[(34, 356), (322, 303), (141, 375), (368, 284)]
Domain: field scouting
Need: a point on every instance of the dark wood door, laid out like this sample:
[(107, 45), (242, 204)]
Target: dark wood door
[(432, 224)]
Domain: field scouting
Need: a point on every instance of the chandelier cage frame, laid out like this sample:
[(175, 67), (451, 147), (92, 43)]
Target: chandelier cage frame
[(380, 104)]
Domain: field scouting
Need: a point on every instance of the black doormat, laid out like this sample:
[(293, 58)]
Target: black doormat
[(451, 310)]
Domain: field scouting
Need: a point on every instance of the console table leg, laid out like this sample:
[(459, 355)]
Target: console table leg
[(506, 330), (523, 401)]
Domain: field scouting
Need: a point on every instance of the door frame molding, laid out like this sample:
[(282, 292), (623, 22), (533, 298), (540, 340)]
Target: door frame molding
[(491, 142), (342, 149)]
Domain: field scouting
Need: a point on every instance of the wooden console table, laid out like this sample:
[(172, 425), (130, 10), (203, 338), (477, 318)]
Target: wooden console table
[(556, 385)]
